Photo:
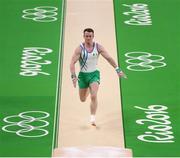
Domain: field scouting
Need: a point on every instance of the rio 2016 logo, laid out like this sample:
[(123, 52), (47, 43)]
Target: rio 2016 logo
[(139, 13), (159, 125), (32, 61)]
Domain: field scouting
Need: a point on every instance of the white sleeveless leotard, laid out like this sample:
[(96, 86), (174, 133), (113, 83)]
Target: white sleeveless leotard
[(88, 60)]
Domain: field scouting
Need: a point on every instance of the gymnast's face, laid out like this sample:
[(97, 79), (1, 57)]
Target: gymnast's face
[(88, 37)]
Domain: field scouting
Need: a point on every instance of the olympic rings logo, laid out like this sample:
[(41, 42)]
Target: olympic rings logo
[(144, 61), (27, 124), (41, 14)]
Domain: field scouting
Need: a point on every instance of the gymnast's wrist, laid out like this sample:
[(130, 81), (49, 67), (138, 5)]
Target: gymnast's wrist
[(73, 76), (118, 70)]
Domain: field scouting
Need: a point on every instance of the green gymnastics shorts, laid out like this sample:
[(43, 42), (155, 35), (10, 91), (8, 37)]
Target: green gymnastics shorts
[(86, 78)]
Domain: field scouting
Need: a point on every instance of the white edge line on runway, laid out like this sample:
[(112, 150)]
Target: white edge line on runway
[(58, 74)]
